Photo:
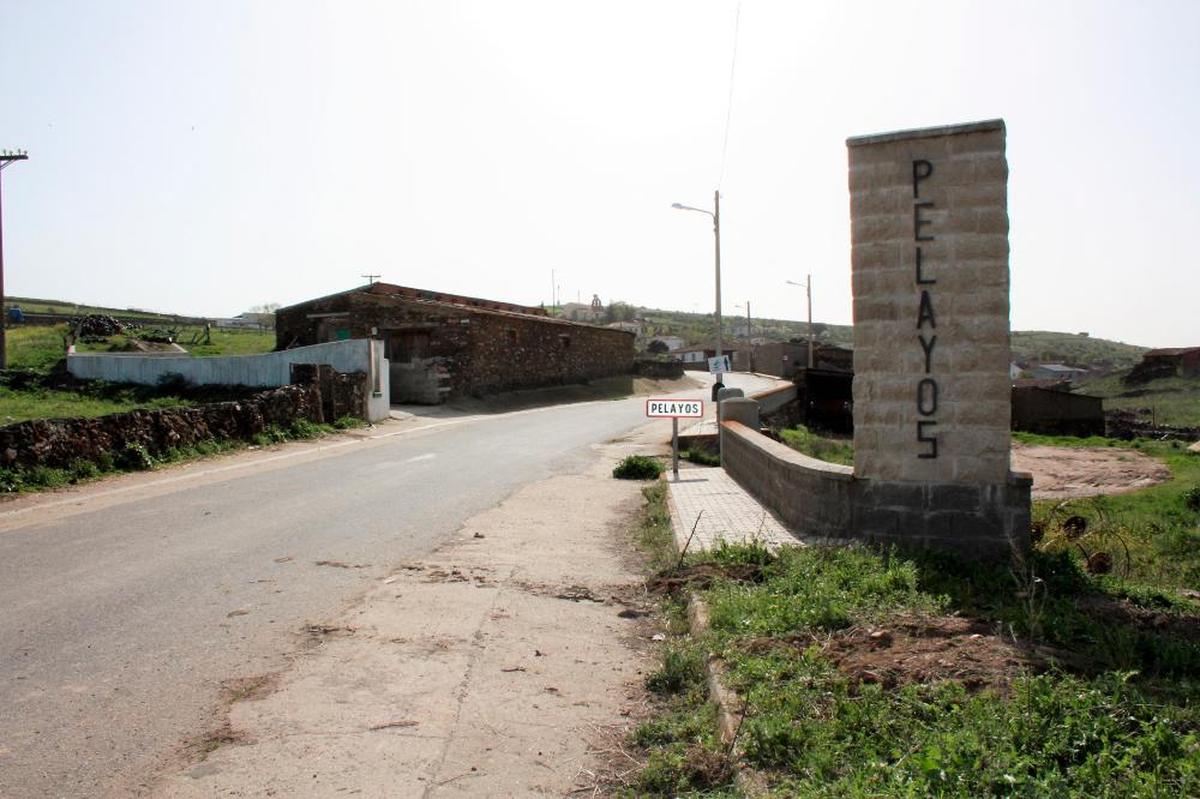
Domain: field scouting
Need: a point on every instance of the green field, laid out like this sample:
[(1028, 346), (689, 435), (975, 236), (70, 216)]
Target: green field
[(1074, 349), (36, 305), (1171, 401), (44, 403), (41, 347)]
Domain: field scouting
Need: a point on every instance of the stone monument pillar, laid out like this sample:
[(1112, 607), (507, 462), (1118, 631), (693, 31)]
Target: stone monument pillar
[(932, 394)]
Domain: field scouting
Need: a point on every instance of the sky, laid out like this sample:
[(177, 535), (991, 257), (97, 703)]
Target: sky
[(205, 157)]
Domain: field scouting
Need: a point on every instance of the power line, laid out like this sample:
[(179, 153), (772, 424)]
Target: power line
[(737, 20)]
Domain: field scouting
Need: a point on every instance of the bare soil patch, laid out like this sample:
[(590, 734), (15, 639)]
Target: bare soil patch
[(1074, 472), (702, 575), (921, 650), (1125, 613)]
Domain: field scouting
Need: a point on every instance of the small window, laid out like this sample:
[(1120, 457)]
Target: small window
[(564, 340)]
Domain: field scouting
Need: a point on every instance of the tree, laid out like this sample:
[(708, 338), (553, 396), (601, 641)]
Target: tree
[(657, 347), (619, 312)]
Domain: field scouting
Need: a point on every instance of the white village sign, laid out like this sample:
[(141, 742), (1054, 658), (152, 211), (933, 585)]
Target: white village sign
[(674, 409)]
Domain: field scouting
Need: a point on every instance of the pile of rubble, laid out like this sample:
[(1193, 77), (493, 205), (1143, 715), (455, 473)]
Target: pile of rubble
[(1130, 424), (99, 326)]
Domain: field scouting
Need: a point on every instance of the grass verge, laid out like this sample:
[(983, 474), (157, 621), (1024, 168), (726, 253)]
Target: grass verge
[(679, 747), (1149, 539), (870, 674), (834, 450)]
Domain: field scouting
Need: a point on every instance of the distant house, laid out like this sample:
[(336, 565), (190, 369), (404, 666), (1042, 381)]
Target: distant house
[(1167, 362), (673, 342), (443, 345), (1055, 371), (629, 327), (247, 321), (1055, 411), (782, 359), (694, 357)]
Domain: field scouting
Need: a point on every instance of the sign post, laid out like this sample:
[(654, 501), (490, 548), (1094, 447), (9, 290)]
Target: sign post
[(673, 409), (719, 366)]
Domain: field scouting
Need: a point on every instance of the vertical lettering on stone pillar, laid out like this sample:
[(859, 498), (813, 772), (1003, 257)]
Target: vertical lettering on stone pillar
[(917, 198), (925, 312), (927, 397), (932, 441), (921, 279), (927, 346), (920, 221), (922, 169)]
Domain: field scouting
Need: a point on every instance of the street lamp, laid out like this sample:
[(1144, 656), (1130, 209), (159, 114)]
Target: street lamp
[(808, 288), (716, 218), (6, 157)]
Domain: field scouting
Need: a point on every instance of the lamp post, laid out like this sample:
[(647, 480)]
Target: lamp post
[(716, 218), (6, 158), (808, 288)]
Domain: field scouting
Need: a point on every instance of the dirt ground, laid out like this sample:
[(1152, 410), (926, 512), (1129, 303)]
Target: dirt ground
[(1073, 472), (505, 663)]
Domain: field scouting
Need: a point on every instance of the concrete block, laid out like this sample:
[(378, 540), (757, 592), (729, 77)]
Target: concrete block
[(740, 409)]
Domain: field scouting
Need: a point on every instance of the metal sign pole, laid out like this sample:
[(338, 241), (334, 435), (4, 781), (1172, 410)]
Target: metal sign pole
[(675, 446)]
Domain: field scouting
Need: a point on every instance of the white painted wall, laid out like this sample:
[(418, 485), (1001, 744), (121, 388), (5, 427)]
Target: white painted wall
[(267, 370)]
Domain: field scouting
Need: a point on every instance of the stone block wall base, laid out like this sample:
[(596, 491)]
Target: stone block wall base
[(983, 522)]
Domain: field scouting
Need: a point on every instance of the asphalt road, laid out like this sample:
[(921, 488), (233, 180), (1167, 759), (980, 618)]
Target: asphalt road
[(125, 608)]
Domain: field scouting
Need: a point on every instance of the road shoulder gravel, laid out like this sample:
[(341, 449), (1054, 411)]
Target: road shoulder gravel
[(491, 667)]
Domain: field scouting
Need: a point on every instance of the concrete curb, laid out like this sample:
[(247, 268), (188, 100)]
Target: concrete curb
[(731, 708)]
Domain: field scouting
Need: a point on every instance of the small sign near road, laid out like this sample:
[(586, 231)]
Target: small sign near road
[(665, 408), (718, 366), (674, 409)]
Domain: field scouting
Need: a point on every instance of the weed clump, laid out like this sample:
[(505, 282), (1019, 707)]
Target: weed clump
[(135, 458), (1191, 498), (638, 467), (682, 668), (701, 456)]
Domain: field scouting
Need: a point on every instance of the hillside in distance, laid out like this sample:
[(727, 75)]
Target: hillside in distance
[(1036, 346)]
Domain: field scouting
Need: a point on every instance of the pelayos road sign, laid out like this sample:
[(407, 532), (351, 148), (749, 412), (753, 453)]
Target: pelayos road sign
[(667, 408)]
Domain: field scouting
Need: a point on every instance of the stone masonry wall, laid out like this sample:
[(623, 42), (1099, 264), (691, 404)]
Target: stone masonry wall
[(509, 351), (59, 442), (929, 230)]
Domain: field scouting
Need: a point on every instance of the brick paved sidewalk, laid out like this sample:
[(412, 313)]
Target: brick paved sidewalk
[(730, 513)]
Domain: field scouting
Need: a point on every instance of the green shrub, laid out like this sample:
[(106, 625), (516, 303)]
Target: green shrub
[(348, 422), (82, 469), (701, 456), (1191, 498), (303, 428), (273, 434), (682, 668), (135, 457), (638, 467), (833, 450), (11, 481)]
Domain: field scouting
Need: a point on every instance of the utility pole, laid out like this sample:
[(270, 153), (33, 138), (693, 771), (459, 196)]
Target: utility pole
[(6, 158), (715, 213), (717, 236), (808, 287), (749, 339), (371, 278)]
